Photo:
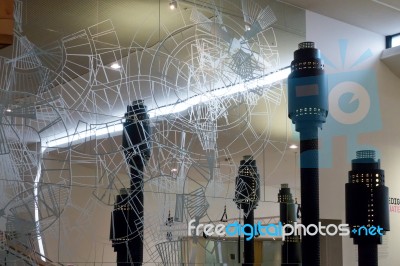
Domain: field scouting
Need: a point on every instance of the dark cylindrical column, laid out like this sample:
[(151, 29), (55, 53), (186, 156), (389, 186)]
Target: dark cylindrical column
[(247, 195), (249, 244), (368, 254), (127, 217), (120, 231), (291, 249), (367, 206), (308, 108), (309, 184)]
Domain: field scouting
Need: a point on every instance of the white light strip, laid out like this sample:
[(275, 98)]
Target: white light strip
[(175, 108), (36, 206), (222, 92), (82, 135), (115, 66)]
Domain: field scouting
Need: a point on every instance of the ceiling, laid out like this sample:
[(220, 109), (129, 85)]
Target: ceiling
[(380, 16), (48, 21)]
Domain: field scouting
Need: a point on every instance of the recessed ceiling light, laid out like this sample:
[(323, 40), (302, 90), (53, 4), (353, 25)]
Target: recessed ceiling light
[(293, 146), (173, 5), (115, 66)]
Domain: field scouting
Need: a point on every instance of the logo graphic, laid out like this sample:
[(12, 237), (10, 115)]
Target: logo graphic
[(352, 100), (277, 230), (353, 104), (368, 231)]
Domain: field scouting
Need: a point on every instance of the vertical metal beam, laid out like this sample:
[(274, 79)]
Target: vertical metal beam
[(247, 195), (308, 108), (127, 217), (291, 250)]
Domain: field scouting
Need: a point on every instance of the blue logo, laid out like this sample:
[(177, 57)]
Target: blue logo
[(272, 230), (368, 231), (353, 106)]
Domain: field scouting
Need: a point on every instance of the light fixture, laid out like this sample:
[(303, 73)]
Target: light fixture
[(293, 146), (8, 110), (115, 66), (116, 126), (100, 131), (36, 209), (266, 80), (173, 5)]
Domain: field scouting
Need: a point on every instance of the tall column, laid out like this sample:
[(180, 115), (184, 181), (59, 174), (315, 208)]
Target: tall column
[(247, 195), (308, 108), (127, 218), (291, 250)]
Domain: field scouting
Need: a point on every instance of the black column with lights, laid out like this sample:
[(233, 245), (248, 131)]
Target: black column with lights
[(127, 217), (291, 249), (247, 195), (367, 206), (308, 108)]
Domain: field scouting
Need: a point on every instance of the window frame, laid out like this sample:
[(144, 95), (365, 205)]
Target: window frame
[(389, 39)]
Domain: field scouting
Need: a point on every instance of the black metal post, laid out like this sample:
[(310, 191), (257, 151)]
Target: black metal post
[(308, 108), (367, 254), (309, 184), (247, 195), (291, 249), (127, 218), (248, 244)]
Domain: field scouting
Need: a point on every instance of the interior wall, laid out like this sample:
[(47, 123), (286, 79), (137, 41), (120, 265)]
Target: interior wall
[(329, 35), (353, 56)]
